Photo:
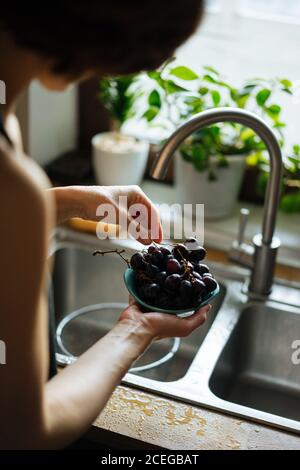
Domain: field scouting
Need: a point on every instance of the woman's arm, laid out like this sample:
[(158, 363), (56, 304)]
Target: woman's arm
[(37, 413), (83, 202), (75, 397)]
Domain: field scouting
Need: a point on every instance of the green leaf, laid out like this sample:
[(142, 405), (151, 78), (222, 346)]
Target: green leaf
[(216, 97), (290, 203), (200, 157), (286, 82), (234, 94), (184, 73), (274, 109), (209, 78), (211, 69), (154, 99), (186, 153), (242, 100), (293, 160), (203, 91), (262, 96), (296, 149), (287, 90), (223, 162), (151, 113), (171, 87), (157, 77), (247, 88), (153, 74), (261, 184)]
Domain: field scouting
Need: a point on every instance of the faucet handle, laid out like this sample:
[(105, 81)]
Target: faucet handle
[(242, 253), (244, 217)]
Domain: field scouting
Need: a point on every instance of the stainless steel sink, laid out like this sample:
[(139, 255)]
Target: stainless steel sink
[(255, 368), (81, 280), (240, 362)]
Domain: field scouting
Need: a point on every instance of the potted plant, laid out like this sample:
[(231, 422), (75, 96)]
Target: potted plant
[(118, 158), (290, 196), (212, 161)]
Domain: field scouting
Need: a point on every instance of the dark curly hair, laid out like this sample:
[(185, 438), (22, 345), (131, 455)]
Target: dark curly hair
[(111, 37)]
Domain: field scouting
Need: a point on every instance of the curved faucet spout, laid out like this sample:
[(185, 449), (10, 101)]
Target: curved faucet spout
[(248, 119)]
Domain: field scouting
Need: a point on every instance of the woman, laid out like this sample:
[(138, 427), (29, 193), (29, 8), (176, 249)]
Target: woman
[(57, 43)]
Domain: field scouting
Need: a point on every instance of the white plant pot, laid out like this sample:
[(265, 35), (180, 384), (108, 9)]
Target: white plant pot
[(219, 197), (118, 159)]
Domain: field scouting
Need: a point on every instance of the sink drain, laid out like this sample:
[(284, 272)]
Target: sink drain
[(73, 332)]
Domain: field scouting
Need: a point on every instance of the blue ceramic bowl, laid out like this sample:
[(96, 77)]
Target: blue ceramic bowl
[(129, 279)]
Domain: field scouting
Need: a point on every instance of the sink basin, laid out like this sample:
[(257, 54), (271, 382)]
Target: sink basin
[(81, 279), (255, 368), (239, 361)]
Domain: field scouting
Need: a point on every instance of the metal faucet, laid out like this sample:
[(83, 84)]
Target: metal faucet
[(261, 257)]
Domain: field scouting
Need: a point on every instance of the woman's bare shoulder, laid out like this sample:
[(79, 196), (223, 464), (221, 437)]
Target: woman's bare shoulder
[(26, 219), (23, 183)]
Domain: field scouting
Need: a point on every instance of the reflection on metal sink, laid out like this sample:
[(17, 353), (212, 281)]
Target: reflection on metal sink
[(255, 368), (81, 279)]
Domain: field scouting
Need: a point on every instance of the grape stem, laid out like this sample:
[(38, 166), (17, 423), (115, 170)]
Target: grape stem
[(118, 252)]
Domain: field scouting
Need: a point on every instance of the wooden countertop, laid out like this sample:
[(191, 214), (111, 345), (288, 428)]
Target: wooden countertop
[(136, 419)]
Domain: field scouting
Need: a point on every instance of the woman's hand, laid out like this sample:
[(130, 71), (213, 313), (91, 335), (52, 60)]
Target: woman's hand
[(90, 202), (161, 325)]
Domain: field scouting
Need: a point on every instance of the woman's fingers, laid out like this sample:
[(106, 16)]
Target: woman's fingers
[(146, 215)]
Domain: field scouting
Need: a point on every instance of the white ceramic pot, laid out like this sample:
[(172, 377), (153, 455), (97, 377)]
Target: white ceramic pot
[(219, 197), (119, 159)]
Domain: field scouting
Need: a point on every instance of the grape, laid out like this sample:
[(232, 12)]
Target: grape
[(191, 243), (207, 275), (191, 240), (165, 251), (198, 287), (180, 251), (151, 291), (164, 300), (161, 277), (210, 283), (157, 257), (137, 261), (173, 266), (201, 268), (152, 270), (197, 301), (147, 257), (196, 275), (197, 254), (186, 290), (172, 282)]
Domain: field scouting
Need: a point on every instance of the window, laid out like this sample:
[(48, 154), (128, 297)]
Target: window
[(279, 10), (212, 6), (251, 38), (271, 10)]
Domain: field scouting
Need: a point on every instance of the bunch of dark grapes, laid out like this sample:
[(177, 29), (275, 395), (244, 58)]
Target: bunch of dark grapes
[(173, 278)]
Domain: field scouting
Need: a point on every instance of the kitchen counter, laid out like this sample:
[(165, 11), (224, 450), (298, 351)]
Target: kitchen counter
[(164, 423)]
